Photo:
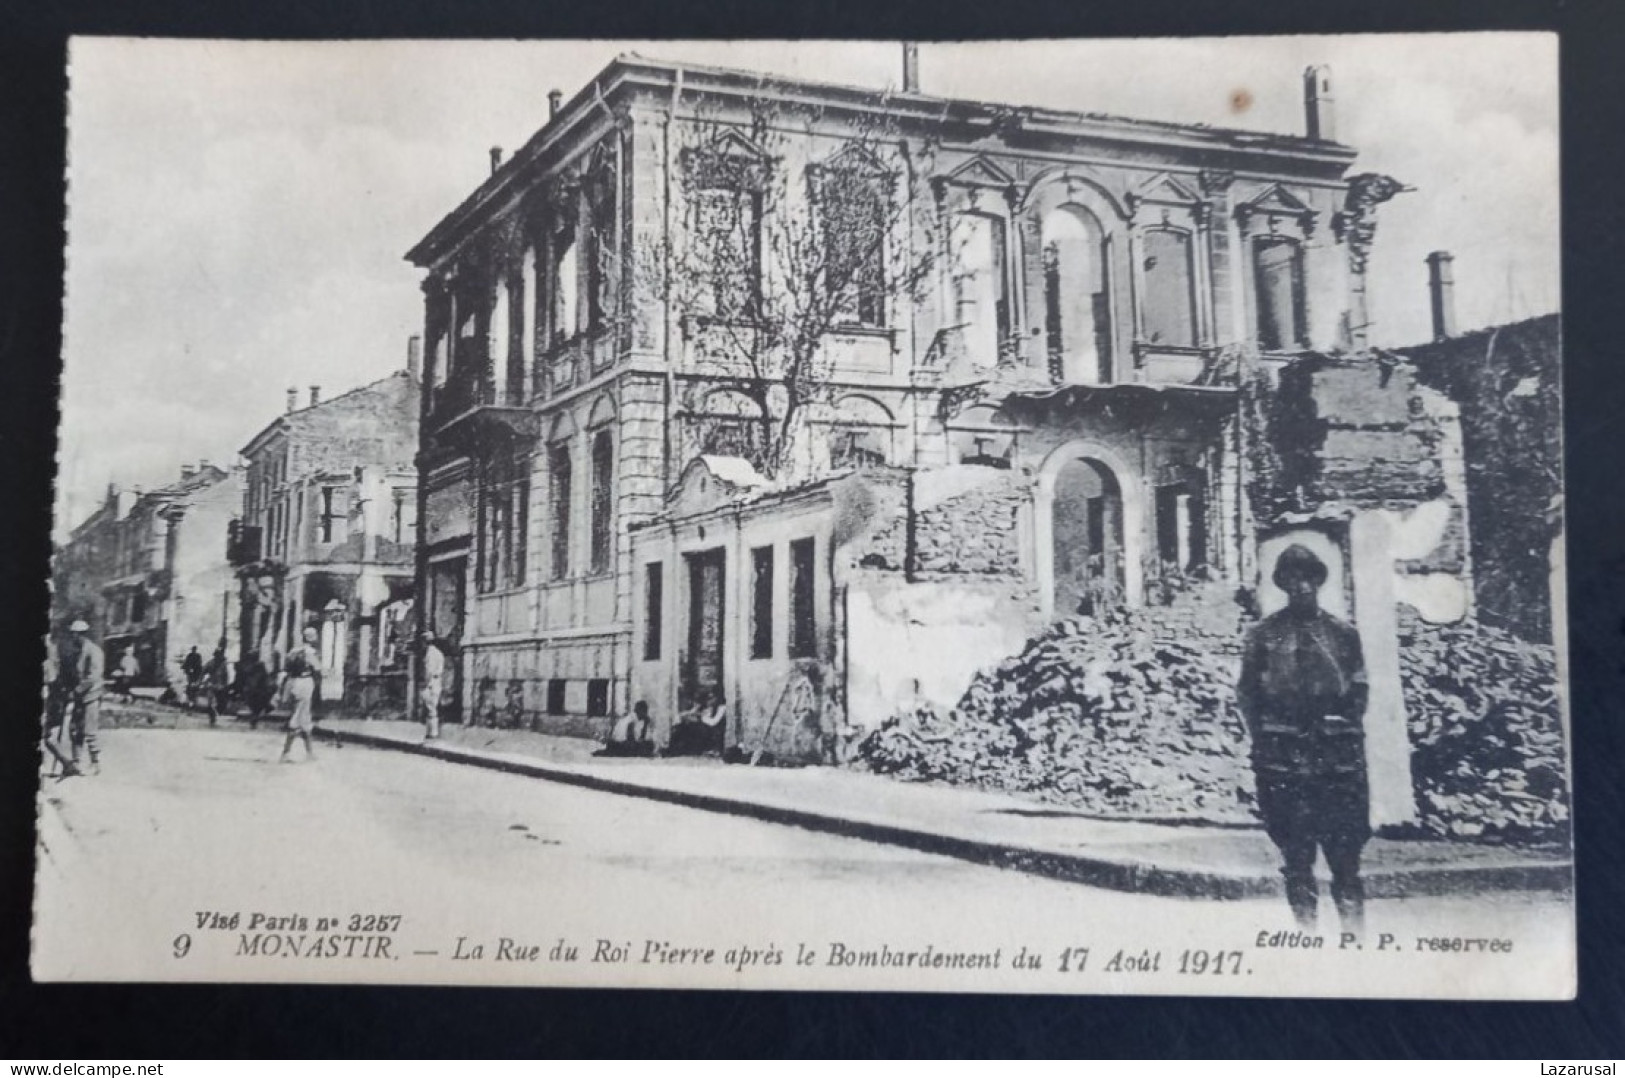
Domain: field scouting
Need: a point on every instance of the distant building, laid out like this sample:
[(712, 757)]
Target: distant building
[(325, 537), (149, 572)]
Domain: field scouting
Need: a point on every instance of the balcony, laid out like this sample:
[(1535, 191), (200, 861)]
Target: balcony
[(469, 409)]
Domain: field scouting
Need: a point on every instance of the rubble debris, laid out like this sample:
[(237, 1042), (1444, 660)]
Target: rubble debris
[(1133, 715)]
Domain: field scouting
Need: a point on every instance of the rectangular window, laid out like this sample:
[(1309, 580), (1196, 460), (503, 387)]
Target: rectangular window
[(803, 589), (600, 249), (598, 697), (654, 610), (603, 500), (728, 229), (852, 212), (761, 603), (1278, 283), (397, 515), (555, 695), (329, 519), (1170, 296), (559, 474)]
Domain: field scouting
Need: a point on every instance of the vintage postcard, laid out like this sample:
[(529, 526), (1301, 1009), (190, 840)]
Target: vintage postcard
[(1022, 517)]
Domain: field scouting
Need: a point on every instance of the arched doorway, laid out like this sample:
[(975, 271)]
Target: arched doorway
[(1077, 296), (1088, 535)]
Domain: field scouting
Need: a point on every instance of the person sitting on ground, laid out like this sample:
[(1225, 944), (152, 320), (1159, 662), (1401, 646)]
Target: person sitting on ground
[(701, 729), (632, 734)]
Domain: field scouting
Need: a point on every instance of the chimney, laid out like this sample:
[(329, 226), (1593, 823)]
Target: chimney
[(496, 158), (188, 471), (293, 399), (414, 357), (315, 395), (555, 100), (1442, 293), (911, 68), (1319, 117)]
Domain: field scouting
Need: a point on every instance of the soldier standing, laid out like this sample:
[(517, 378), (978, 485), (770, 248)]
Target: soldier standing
[(1303, 696), (80, 669)]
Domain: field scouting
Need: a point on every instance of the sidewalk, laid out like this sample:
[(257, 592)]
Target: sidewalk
[(1194, 861)]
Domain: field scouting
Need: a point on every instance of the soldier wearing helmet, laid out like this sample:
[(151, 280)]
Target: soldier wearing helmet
[(1303, 695)]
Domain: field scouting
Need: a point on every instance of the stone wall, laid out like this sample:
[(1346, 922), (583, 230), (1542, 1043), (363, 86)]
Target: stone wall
[(965, 521), (1507, 383)]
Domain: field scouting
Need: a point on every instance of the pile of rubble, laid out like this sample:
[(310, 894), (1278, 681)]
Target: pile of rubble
[(1133, 715), (1488, 757)]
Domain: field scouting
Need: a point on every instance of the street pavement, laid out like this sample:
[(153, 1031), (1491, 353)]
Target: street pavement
[(184, 822)]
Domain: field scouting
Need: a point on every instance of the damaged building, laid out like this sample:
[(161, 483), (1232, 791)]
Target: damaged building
[(325, 536), (1035, 387)]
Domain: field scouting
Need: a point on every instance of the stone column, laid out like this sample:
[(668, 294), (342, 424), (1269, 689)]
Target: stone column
[(1387, 740)]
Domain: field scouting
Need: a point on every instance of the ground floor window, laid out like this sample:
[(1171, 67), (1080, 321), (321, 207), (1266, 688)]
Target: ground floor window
[(761, 606), (803, 607), (654, 587), (598, 696), (555, 695)]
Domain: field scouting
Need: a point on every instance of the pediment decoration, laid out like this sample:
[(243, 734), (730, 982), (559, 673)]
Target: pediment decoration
[(1164, 190), (1275, 200), (981, 172)]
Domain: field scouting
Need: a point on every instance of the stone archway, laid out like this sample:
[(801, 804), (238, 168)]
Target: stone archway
[(1089, 530)]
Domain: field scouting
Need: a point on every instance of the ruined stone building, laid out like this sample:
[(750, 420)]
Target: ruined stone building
[(326, 532), (668, 450), (148, 571), (1507, 382)]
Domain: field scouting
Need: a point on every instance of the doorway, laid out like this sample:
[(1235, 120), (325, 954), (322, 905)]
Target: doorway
[(706, 620), (1088, 539)]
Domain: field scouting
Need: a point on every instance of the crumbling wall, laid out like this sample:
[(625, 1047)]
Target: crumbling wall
[(1507, 383), (966, 520)]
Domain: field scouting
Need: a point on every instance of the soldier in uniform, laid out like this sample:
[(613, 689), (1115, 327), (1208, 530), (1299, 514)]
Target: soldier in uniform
[(80, 668), (1303, 696)]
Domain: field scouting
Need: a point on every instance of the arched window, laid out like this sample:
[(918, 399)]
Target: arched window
[(602, 537), (1077, 296), (860, 433), (1169, 310), (981, 280)]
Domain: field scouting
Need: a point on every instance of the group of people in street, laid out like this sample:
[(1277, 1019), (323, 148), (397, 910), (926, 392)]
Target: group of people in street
[(77, 679), (1302, 694)]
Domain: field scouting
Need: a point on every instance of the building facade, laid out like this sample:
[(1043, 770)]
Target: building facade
[(149, 572), (1068, 297), (325, 537)]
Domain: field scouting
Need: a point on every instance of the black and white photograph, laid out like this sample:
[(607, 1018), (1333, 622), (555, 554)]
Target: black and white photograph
[(1034, 517)]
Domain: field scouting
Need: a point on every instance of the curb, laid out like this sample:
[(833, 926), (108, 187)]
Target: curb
[(1094, 871)]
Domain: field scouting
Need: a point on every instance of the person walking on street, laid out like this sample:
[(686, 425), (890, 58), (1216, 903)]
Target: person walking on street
[(217, 676), (192, 667), (128, 670), (81, 667), (299, 691), (434, 679), (1303, 694), (58, 708)]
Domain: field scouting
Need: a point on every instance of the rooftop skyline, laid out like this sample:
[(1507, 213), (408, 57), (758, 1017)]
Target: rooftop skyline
[(238, 212)]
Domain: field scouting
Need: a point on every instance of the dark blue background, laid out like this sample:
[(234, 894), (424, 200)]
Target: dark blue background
[(181, 1022)]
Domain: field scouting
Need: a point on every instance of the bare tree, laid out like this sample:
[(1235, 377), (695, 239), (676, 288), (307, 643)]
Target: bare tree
[(797, 227)]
